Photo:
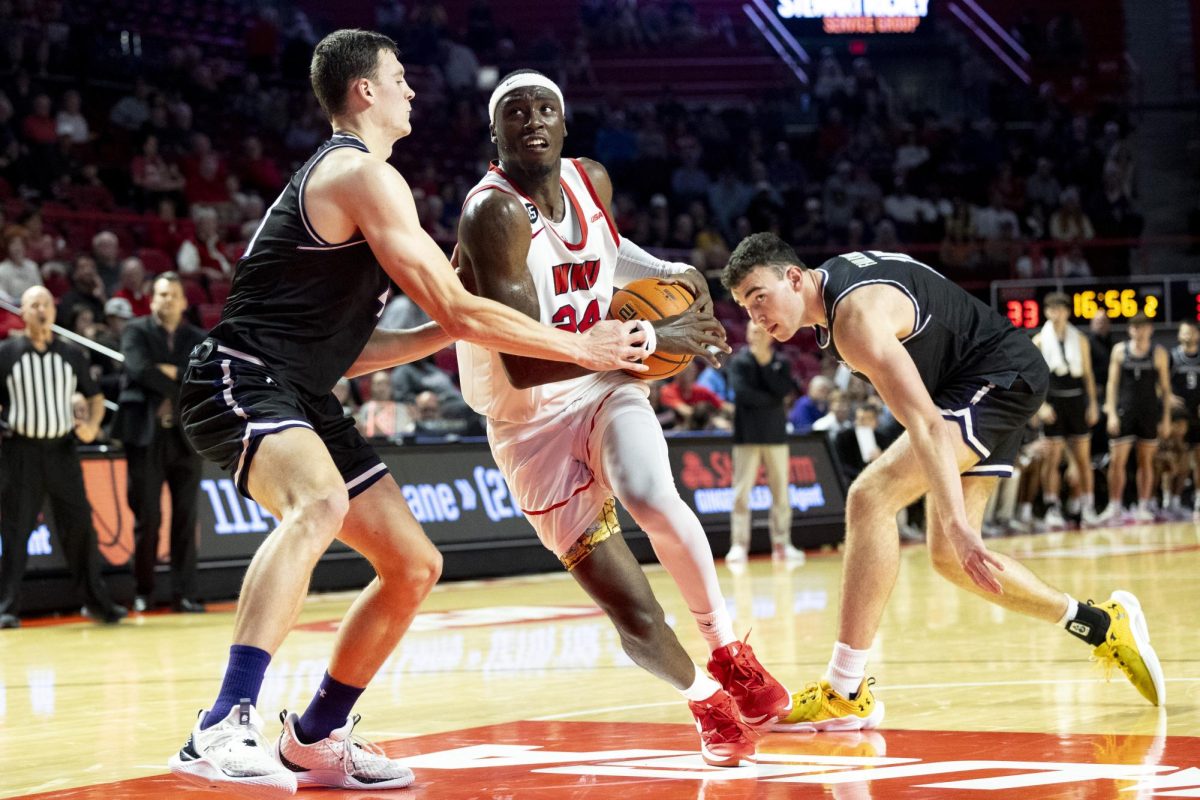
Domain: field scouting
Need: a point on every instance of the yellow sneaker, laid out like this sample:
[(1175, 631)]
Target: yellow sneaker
[(1127, 646), (820, 708)]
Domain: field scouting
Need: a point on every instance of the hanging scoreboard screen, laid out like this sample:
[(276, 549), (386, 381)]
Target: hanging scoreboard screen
[(854, 17)]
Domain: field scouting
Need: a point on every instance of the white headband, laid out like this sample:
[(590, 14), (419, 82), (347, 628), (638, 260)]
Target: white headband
[(525, 79)]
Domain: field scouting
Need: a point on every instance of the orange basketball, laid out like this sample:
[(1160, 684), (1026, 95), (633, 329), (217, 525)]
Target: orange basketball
[(651, 299)]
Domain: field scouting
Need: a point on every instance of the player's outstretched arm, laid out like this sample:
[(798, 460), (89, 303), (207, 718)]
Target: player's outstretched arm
[(378, 199), (391, 348), (867, 330)]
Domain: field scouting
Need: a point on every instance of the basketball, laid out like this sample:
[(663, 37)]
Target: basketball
[(651, 299)]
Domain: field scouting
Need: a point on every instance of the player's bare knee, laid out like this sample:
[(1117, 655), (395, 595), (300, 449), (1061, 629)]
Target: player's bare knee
[(425, 569), (638, 626), (319, 517), (868, 498)]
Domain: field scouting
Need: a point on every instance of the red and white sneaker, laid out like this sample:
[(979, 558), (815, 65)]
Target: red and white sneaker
[(339, 761), (760, 699), (723, 740)]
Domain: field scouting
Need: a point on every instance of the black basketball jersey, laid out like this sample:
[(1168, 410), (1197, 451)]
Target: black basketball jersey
[(1185, 377), (1139, 381), (305, 306), (955, 337)]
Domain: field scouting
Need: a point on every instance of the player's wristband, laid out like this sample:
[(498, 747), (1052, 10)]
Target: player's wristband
[(651, 337)]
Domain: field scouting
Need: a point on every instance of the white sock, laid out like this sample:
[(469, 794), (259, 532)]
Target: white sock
[(1072, 610), (846, 669), (1088, 501), (716, 628), (702, 688), (1143, 505), (1051, 499), (1026, 512)]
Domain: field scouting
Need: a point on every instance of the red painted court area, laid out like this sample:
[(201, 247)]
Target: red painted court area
[(599, 761)]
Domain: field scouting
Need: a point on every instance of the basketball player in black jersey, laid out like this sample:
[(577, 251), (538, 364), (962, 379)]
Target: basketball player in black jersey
[(963, 382), (1071, 397), (1138, 407), (257, 399), (1185, 390)]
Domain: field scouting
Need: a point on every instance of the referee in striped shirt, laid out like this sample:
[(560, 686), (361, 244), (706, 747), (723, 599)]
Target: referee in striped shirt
[(39, 376)]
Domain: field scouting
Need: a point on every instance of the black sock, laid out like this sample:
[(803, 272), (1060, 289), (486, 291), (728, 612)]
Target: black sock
[(1090, 624)]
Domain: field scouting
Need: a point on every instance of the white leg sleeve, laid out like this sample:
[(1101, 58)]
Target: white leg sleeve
[(636, 466)]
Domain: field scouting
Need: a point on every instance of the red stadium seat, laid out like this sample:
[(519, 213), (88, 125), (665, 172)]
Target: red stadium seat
[(218, 291), (210, 315), (155, 260), (194, 291)]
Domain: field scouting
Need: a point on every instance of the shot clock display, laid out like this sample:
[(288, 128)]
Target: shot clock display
[(1165, 299)]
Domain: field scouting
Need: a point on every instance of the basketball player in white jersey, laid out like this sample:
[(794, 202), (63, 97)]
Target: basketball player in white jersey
[(538, 235)]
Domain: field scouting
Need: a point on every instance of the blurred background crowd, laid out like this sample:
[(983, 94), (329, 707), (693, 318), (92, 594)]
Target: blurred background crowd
[(140, 136)]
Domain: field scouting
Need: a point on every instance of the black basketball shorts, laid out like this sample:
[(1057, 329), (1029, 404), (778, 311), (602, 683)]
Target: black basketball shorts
[(1070, 417), (992, 420), (1139, 422), (230, 400)]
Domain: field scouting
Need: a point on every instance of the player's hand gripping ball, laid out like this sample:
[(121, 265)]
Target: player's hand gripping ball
[(651, 299)]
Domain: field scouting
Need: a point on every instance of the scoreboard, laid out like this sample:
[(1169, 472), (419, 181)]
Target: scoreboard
[(1165, 299)]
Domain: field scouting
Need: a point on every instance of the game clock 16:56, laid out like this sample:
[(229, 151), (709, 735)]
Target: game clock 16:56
[(1114, 303)]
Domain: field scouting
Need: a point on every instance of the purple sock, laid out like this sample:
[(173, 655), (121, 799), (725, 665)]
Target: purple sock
[(328, 710), (243, 679)]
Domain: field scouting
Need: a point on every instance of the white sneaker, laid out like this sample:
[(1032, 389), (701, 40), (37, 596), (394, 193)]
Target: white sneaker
[(340, 760), (1054, 519), (1088, 518), (787, 554), (1142, 514), (233, 754), (1019, 526), (1111, 515), (738, 554)]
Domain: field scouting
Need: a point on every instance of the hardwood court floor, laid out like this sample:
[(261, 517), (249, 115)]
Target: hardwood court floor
[(518, 689)]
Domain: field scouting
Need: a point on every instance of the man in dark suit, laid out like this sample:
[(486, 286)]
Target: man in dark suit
[(861, 444), (156, 351)]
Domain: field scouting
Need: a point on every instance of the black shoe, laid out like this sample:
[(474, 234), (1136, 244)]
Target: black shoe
[(185, 605), (9, 621), (105, 615), (142, 603)]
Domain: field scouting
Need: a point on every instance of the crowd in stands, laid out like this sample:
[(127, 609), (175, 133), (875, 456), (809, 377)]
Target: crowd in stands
[(116, 166)]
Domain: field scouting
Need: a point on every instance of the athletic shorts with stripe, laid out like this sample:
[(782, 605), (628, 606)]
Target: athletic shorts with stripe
[(230, 400), (992, 420), (1139, 423), (556, 471)]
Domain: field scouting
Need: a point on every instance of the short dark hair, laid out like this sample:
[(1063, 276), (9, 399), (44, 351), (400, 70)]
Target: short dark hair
[(170, 276), (1056, 299), (1140, 318), (344, 56), (759, 250)]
